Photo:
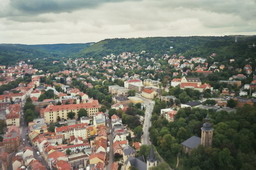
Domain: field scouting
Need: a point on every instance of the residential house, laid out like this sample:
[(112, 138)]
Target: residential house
[(77, 130), (148, 93), (11, 139)]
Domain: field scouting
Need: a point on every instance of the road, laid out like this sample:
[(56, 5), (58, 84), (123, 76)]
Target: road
[(149, 106), (110, 139), (26, 142)]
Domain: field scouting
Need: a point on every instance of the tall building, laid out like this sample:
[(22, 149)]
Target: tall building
[(53, 113), (206, 134), (151, 161)]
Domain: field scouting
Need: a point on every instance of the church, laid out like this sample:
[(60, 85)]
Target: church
[(205, 140)]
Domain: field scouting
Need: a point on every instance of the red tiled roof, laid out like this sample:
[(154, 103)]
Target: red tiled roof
[(176, 80), (63, 165), (52, 108), (100, 166), (148, 91), (137, 145), (100, 155), (70, 127), (12, 116), (114, 166), (114, 116), (36, 165), (56, 154), (133, 81)]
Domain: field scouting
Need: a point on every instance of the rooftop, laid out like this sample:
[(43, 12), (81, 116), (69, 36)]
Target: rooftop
[(192, 142)]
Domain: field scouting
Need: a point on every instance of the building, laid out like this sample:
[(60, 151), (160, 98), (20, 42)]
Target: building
[(205, 140), (53, 113), (77, 130), (206, 134), (11, 139), (149, 82), (13, 119), (136, 82), (151, 161), (13, 115), (190, 144), (148, 93)]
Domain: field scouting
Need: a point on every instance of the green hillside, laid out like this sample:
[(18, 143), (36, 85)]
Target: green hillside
[(11, 53), (225, 47)]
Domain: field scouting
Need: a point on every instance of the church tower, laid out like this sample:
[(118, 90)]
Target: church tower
[(206, 133), (151, 161)]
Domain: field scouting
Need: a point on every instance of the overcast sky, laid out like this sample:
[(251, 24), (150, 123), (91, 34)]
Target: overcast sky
[(80, 21)]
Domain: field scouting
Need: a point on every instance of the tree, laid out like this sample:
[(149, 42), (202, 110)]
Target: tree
[(232, 103), (144, 151), (112, 112), (68, 152), (71, 115), (210, 102), (51, 127), (131, 93), (138, 132), (2, 126), (81, 113)]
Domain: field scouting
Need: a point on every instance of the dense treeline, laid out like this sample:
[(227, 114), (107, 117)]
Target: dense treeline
[(225, 47), (11, 53), (234, 142)]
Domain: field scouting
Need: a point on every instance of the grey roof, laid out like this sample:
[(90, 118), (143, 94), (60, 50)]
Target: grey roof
[(128, 150), (193, 79), (192, 142), (193, 103), (207, 126), (137, 163), (151, 156)]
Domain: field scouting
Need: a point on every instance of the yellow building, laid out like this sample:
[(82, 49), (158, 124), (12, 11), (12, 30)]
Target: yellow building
[(148, 93), (52, 113), (135, 100), (12, 119)]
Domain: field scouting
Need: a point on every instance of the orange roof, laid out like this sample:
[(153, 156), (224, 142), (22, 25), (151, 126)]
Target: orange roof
[(71, 127), (100, 155), (114, 166), (63, 165), (100, 166), (101, 142), (56, 154), (148, 91), (114, 116), (183, 85), (12, 116), (36, 165), (176, 80), (133, 81), (137, 145), (52, 108)]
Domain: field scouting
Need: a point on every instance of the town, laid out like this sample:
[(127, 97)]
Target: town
[(104, 114)]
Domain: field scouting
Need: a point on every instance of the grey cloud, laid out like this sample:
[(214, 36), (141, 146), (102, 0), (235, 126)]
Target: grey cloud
[(243, 8), (55, 6)]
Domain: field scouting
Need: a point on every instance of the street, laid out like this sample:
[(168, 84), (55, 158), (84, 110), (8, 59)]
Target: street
[(110, 139), (149, 106)]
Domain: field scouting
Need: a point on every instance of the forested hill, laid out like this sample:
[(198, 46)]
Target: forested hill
[(11, 53), (225, 46)]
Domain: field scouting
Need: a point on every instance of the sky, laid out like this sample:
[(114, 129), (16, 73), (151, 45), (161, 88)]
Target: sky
[(81, 21)]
